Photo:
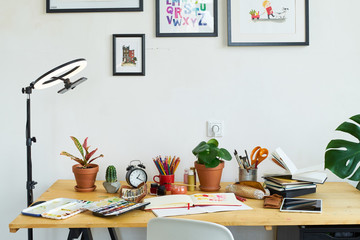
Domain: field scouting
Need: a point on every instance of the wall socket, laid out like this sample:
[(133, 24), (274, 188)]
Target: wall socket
[(215, 128)]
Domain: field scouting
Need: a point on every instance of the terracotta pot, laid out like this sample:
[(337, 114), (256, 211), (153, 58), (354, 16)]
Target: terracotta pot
[(85, 177), (209, 177)]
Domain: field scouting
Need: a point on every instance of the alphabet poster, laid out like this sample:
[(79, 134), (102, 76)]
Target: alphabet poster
[(186, 17)]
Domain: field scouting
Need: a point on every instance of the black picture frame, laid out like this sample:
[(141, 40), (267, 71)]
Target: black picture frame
[(303, 33), (125, 60), (52, 6), (187, 20)]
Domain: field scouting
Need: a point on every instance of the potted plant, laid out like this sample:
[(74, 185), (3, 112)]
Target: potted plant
[(85, 172), (111, 184), (342, 156), (209, 164)]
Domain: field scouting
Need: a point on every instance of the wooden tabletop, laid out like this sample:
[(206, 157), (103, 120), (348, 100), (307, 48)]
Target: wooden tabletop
[(340, 207)]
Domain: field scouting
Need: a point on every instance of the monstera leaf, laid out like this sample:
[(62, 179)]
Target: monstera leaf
[(342, 156)]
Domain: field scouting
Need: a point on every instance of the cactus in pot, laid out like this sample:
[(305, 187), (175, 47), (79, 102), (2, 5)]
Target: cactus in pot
[(111, 184)]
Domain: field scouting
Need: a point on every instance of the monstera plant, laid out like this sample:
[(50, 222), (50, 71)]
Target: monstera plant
[(342, 156)]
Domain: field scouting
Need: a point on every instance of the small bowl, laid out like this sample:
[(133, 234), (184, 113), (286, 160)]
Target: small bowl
[(178, 189)]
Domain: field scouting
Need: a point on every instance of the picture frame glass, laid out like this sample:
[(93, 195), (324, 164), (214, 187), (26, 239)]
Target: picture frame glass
[(186, 17), (128, 55), (267, 21), (93, 4)]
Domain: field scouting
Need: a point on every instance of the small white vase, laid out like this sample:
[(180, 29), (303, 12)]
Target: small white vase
[(111, 187)]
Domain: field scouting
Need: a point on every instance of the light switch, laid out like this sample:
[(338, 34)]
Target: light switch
[(215, 128)]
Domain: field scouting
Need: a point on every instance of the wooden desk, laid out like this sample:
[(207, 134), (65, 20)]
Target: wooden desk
[(340, 207)]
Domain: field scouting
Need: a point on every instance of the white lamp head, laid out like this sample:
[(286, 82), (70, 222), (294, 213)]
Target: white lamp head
[(60, 74)]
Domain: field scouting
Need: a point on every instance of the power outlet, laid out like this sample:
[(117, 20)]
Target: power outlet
[(215, 128)]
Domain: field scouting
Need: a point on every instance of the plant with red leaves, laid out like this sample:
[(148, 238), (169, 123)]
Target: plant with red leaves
[(84, 151)]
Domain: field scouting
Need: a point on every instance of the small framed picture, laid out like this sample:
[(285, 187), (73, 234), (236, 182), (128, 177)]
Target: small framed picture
[(57, 6), (128, 54), (186, 18), (268, 22)]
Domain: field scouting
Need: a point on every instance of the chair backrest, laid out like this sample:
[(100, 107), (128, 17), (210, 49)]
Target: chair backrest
[(185, 229)]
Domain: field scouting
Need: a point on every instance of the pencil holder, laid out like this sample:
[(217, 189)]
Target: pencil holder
[(164, 180), (247, 175)]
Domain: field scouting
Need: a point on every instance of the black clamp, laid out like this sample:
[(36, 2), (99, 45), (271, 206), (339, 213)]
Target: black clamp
[(30, 184), (30, 140)]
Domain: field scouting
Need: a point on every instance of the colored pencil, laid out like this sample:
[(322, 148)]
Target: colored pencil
[(166, 166)]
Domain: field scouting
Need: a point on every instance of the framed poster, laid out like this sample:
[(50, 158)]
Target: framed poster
[(57, 6), (186, 18), (268, 22), (128, 54)]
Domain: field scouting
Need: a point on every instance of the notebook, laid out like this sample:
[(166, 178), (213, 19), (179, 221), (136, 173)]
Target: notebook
[(311, 174), (187, 201)]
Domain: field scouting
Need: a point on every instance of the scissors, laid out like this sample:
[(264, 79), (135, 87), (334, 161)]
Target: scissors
[(258, 155)]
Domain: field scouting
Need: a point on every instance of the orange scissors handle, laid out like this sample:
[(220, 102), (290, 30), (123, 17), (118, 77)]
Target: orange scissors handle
[(258, 155), (254, 155)]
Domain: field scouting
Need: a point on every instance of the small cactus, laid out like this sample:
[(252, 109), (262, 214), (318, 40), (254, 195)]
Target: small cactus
[(111, 174)]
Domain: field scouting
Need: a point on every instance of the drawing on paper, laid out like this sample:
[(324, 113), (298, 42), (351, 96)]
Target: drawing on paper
[(128, 59), (267, 13)]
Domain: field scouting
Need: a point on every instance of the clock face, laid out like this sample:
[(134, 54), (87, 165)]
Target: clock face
[(137, 176)]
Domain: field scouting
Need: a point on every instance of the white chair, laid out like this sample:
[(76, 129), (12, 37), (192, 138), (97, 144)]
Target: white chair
[(185, 229)]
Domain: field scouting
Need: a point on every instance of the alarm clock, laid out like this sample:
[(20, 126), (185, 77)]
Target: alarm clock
[(135, 175)]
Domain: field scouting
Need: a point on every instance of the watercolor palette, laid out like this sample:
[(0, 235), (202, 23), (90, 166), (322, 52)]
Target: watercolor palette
[(113, 207), (59, 208)]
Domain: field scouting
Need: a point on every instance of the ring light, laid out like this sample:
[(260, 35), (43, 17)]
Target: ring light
[(60, 73)]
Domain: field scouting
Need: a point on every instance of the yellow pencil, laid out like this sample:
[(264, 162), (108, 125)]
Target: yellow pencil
[(177, 163), (162, 168)]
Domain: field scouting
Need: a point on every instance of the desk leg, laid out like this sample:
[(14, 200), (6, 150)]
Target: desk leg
[(76, 232), (113, 235), (86, 234)]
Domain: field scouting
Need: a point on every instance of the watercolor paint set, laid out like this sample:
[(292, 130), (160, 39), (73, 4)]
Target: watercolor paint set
[(114, 206), (59, 208)]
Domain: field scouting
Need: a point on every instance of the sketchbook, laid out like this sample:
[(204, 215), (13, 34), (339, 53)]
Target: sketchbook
[(306, 174), (188, 201)]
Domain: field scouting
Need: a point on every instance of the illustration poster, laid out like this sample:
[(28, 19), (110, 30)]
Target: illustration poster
[(268, 22), (265, 16), (128, 55)]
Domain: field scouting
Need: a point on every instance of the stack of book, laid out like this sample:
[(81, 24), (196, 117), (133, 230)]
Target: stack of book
[(292, 181), (287, 187)]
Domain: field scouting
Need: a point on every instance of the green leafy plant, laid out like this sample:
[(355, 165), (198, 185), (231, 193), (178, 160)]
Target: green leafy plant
[(110, 175), (84, 151), (209, 154), (342, 156), (252, 12)]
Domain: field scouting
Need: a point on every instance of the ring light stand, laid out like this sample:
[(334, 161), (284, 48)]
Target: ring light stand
[(60, 74)]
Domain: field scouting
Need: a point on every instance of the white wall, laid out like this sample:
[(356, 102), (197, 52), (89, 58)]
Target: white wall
[(293, 97)]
